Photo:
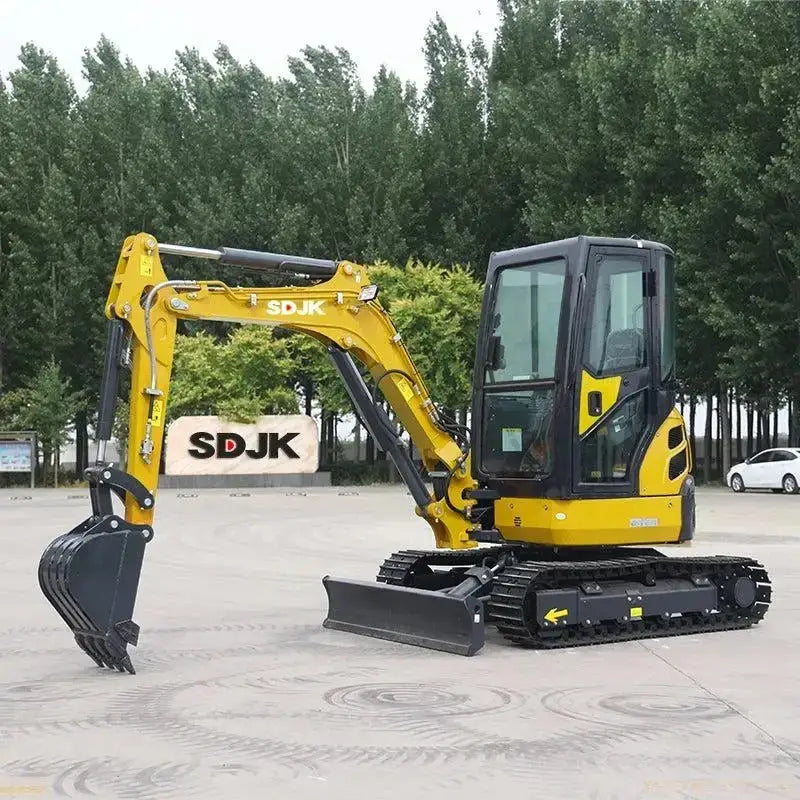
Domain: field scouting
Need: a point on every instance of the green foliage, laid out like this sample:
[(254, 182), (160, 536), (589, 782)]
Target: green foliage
[(239, 379), (358, 473), (437, 311), (672, 120), (45, 404)]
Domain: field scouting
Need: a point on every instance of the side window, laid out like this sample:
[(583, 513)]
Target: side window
[(616, 341), (761, 458), (606, 453), (782, 455)]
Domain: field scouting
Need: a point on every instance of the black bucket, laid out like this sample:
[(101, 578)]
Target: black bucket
[(419, 617), (90, 576)]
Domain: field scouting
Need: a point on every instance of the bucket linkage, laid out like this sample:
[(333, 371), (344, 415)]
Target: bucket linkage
[(90, 575)]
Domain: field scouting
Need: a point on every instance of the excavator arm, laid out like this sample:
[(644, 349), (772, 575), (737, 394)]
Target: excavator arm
[(341, 311), (91, 573)]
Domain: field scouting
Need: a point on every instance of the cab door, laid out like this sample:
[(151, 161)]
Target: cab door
[(615, 371)]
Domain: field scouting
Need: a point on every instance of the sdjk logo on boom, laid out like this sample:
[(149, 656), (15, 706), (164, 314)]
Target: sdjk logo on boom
[(305, 308)]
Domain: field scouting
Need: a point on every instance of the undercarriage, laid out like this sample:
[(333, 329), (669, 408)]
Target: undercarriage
[(548, 598)]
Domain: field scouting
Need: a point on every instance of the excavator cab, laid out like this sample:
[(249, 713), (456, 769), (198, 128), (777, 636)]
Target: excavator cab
[(574, 371), (544, 511)]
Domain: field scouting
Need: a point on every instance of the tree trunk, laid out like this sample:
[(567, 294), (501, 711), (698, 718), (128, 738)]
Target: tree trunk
[(56, 463), (308, 392), (357, 441), (721, 401), (724, 415), (775, 428), (730, 426), (370, 448), (765, 429), (323, 439), (333, 432), (749, 430), (692, 437), (738, 428), (759, 428), (707, 441), (794, 422), (45, 462)]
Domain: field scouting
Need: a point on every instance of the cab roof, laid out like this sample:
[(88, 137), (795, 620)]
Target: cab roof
[(573, 244)]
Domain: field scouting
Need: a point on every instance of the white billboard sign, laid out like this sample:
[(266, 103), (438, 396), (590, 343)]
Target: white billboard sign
[(213, 446)]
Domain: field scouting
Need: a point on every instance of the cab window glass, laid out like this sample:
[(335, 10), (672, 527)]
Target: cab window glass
[(523, 337), (616, 341)]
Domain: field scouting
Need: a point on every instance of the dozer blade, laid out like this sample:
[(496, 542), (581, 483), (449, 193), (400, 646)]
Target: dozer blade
[(90, 576), (432, 619)]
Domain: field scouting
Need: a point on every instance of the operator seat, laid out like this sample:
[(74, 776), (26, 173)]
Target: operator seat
[(624, 351)]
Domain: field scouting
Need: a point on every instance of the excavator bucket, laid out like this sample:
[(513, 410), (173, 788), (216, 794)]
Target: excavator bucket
[(90, 576), (438, 620)]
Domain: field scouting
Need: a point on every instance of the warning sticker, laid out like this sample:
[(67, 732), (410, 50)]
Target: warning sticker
[(158, 412), (512, 440), (146, 266), (405, 389)]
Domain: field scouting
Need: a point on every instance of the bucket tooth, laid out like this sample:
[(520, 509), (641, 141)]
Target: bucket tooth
[(90, 576), (424, 618)]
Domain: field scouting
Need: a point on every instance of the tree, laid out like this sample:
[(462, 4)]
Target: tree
[(45, 405), (453, 142), (37, 131), (240, 379)]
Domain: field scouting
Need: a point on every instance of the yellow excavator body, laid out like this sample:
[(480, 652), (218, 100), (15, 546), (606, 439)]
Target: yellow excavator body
[(575, 458)]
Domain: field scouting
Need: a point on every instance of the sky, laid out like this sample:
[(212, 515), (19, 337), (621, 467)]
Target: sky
[(150, 31)]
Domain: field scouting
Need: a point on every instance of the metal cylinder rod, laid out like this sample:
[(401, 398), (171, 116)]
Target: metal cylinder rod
[(255, 259), (189, 252)]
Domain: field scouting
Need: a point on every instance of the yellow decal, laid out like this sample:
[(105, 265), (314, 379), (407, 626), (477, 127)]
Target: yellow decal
[(158, 412), (146, 266), (555, 614), (636, 612)]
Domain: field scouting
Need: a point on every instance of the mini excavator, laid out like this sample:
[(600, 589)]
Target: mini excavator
[(544, 512)]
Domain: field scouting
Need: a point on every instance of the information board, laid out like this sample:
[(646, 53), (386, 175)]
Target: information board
[(15, 456)]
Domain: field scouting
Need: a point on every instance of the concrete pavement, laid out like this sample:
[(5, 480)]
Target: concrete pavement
[(240, 693)]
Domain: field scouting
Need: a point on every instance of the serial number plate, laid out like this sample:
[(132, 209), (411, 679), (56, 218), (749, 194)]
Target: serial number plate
[(644, 522)]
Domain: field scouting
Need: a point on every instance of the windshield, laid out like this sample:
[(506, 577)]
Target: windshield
[(524, 333)]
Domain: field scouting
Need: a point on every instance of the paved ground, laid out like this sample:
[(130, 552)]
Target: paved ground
[(240, 692)]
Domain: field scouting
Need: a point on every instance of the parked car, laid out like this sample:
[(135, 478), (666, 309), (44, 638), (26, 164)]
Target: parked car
[(777, 469)]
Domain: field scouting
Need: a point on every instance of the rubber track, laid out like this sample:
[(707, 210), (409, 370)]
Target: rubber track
[(507, 606), (514, 589), (398, 569)]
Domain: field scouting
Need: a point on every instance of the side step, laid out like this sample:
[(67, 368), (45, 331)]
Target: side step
[(423, 618)]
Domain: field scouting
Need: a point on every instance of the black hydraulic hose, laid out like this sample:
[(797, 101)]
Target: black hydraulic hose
[(391, 372)]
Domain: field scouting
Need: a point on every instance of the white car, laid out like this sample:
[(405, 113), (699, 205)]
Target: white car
[(777, 469)]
